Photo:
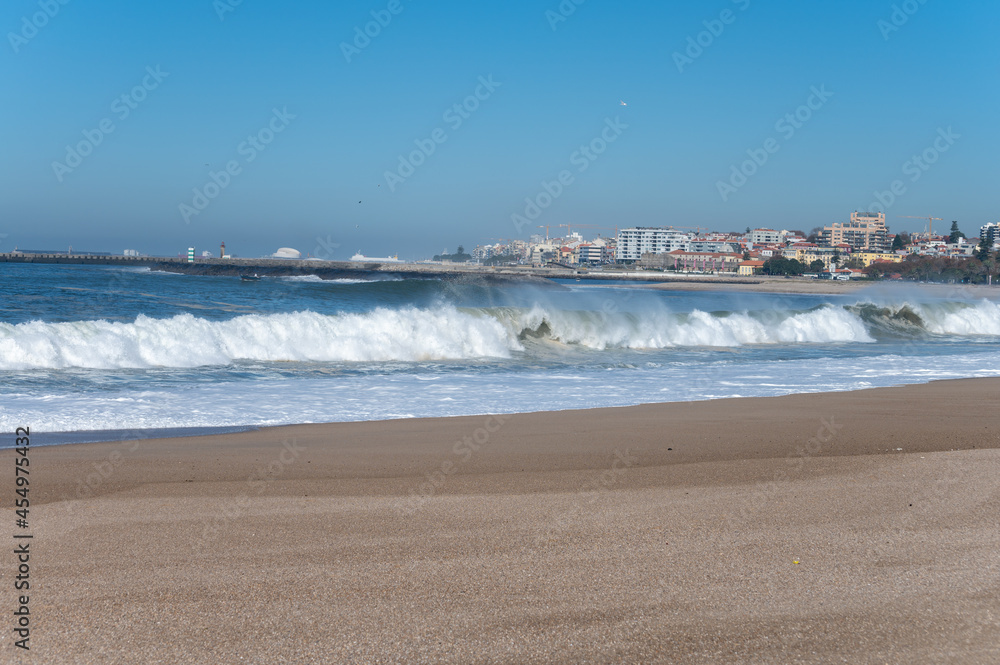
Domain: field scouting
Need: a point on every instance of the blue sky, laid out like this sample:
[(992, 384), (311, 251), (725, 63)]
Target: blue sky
[(898, 80)]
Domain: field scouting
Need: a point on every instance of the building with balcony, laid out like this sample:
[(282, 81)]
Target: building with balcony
[(634, 242), (767, 237), (594, 252), (990, 233), (866, 232)]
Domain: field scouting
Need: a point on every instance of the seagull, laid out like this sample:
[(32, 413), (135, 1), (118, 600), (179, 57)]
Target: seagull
[(622, 102)]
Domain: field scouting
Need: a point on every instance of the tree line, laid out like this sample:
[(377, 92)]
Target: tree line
[(973, 270)]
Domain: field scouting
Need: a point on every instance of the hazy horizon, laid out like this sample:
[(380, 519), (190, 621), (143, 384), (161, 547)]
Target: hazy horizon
[(125, 119)]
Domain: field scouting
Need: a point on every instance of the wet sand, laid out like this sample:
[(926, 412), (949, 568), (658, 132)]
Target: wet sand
[(848, 527)]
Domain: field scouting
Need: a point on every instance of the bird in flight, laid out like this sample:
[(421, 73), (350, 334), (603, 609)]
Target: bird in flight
[(622, 102)]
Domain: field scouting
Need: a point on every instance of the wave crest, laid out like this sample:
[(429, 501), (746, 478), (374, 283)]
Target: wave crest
[(448, 333), (661, 330), (187, 341)]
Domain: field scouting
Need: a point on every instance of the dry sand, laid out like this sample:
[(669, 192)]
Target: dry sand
[(828, 528)]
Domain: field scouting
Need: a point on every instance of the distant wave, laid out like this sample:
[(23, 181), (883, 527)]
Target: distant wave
[(144, 269), (316, 279), (319, 280), (445, 332)]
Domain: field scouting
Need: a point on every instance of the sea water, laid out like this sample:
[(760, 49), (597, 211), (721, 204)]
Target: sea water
[(87, 348)]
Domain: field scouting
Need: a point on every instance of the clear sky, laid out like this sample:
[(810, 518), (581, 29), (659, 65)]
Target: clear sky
[(191, 86)]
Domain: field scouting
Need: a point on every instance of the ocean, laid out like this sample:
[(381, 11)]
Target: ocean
[(98, 353)]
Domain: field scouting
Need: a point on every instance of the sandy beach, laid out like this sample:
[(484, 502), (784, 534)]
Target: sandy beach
[(849, 527)]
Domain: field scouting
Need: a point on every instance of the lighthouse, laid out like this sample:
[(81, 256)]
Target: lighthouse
[(222, 250)]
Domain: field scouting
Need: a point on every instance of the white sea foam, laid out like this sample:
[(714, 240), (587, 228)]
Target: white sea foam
[(316, 279), (982, 318), (187, 341), (383, 396), (661, 329), (437, 333), (302, 278), (136, 269)]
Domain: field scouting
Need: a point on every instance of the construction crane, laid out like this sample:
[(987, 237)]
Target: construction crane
[(930, 223), (546, 227)]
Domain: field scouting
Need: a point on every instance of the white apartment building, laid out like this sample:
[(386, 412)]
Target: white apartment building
[(991, 228), (714, 246), (767, 236), (634, 242)]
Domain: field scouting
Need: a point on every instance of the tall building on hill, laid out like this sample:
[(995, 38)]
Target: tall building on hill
[(866, 232)]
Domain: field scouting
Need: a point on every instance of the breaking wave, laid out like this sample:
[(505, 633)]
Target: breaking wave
[(445, 332), (982, 318), (188, 341), (663, 329)]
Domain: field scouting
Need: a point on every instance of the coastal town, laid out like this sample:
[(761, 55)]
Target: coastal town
[(862, 246)]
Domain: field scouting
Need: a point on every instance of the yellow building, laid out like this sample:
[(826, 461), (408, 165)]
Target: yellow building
[(806, 253), (750, 267), (868, 258)]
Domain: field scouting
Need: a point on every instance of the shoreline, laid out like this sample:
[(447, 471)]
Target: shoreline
[(691, 410), (331, 270), (66, 438), (77, 437), (856, 527)]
